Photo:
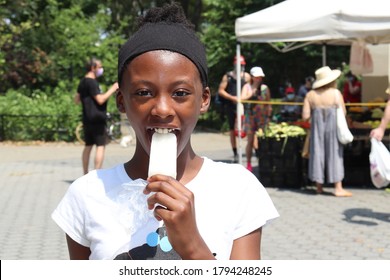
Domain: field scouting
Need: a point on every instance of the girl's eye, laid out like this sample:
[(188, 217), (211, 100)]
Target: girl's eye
[(143, 93), (181, 93)]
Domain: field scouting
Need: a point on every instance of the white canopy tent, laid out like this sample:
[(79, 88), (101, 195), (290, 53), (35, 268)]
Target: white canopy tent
[(297, 23), (308, 21)]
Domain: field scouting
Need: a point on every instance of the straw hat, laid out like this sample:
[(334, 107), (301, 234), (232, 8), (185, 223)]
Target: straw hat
[(324, 76), (257, 72)]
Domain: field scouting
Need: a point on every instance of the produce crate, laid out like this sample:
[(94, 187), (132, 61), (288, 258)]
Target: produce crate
[(281, 179), (280, 162), (357, 176), (271, 146)]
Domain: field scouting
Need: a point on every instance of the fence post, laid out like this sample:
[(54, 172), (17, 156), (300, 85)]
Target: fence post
[(2, 128)]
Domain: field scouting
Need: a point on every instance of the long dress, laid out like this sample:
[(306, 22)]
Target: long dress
[(326, 153), (257, 115)]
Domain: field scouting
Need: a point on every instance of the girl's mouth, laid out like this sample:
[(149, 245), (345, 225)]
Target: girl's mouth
[(163, 130)]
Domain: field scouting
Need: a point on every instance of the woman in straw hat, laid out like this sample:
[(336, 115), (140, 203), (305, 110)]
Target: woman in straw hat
[(326, 152)]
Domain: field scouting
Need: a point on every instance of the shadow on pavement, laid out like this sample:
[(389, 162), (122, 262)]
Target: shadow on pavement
[(364, 216)]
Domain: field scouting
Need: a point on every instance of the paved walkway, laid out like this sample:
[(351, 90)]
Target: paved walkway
[(33, 179)]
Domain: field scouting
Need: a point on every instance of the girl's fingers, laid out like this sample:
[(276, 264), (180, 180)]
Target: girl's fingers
[(160, 198), (166, 184), (169, 197)]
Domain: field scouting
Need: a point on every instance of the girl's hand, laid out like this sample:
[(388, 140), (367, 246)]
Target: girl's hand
[(178, 214)]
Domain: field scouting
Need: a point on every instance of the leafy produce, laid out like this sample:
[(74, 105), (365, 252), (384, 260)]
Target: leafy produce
[(281, 130), (376, 113), (374, 123)]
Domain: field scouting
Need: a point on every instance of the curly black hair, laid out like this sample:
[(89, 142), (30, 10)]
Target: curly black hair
[(165, 28), (170, 13)]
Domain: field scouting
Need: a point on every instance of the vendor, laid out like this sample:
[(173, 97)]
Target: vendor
[(352, 89), (291, 112)]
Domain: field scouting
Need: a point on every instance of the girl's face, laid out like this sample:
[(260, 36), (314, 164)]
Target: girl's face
[(162, 89)]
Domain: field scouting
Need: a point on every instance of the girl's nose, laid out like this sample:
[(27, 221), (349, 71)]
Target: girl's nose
[(163, 107)]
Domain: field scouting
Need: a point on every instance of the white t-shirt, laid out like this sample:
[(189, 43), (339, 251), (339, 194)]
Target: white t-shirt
[(230, 203)]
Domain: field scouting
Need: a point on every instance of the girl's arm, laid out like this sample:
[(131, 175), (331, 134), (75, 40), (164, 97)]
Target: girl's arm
[(247, 247), (178, 215), (77, 251)]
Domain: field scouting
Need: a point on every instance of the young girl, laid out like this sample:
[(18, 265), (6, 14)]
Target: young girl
[(210, 210), (256, 115)]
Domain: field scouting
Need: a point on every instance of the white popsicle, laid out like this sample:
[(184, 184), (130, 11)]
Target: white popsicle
[(163, 154)]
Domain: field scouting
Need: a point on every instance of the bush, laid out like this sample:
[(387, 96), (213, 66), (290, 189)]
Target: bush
[(48, 115), (51, 114)]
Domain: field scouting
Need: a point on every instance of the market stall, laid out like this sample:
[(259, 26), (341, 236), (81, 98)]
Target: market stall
[(281, 161), (315, 21), (280, 155), (361, 121)]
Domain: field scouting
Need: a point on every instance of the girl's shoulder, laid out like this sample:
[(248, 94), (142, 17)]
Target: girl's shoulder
[(228, 172), (99, 182)]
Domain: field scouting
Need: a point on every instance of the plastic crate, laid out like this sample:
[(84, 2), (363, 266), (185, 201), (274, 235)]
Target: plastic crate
[(293, 162), (357, 177), (281, 179), (280, 162), (266, 162)]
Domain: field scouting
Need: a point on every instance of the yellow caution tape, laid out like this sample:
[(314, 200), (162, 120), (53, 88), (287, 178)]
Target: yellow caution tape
[(301, 103)]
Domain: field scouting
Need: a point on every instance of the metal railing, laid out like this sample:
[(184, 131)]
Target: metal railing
[(37, 127)]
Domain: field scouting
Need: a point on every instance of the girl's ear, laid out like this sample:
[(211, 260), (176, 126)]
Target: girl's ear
[(206, 98), (119, 102)]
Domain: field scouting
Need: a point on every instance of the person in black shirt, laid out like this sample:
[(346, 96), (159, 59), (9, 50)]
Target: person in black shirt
[(227, 91), (94, 113)]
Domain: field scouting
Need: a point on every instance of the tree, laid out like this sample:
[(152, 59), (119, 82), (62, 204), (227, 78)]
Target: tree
[(218, 34), (49, 40), (45, 43)]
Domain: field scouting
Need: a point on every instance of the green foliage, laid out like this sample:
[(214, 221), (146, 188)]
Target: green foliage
[(43, 115), (50, 41), (212, 120), (218, 33)]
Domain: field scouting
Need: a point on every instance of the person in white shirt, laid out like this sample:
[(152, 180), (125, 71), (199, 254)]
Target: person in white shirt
[(209, 210)]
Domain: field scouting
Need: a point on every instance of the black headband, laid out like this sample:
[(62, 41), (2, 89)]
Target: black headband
[(164, 36)]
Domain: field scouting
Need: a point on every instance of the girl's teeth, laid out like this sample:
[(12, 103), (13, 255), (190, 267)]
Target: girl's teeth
[(163, 130)]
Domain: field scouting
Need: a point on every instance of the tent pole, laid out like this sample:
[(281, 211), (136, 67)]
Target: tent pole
[(324, 54), (238, 73)]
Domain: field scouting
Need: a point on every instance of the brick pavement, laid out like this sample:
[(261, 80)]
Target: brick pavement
[(33, 178)]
